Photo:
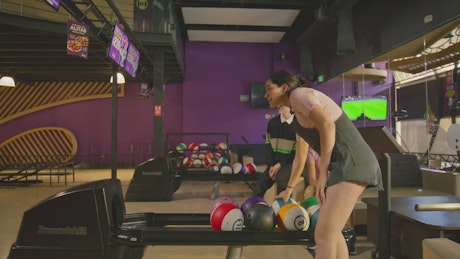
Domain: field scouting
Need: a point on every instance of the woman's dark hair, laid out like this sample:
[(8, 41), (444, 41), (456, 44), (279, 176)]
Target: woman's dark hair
[(285, 77)]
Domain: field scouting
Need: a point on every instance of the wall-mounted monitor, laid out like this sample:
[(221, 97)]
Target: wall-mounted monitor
[(359, 107), (257, 96)]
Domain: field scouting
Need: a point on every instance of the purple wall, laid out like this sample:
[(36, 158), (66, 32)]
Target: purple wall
[(207, 101), (91, 122), (217, 74)]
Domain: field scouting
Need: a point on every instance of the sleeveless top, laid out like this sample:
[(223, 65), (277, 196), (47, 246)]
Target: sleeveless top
[(352, 159)]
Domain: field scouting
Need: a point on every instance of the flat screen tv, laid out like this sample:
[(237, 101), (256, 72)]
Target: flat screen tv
[(361, 107), (257, 96)]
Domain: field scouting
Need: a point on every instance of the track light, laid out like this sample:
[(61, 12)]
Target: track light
[(321, 14), (120, 78), (7, 81)]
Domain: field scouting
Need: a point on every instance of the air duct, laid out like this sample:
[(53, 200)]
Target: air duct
[(345, 39)]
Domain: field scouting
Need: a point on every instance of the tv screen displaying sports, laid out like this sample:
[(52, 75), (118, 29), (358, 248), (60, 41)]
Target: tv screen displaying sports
[(359, 107), (257, 96)]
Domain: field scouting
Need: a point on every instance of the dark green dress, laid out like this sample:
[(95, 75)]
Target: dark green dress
[(352, 159)]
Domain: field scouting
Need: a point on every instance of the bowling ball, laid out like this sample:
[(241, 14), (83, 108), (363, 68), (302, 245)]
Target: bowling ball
[(187, 161), (310, 204), (206, 161), (239, 168), (221, 200), (222, 146), (203, 147), (213, 168), (278, 203), (226, 169), (293, 217), (193, 147), (222, 160), (260, 217), (227, 217), (313, 220), (209, 155), (181, 147), (197, 162), (252, 168), (249, 202)]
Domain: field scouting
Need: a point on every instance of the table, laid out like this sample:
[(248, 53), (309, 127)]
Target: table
[(409, 227)]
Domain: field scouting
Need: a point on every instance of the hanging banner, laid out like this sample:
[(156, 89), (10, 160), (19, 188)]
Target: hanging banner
[(54, 3), (132, 60), (450, 90), (77, 39), (119, 46)]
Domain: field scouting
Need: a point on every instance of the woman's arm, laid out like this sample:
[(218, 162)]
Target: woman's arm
[(297, 167), (326, 129), (311, 174)]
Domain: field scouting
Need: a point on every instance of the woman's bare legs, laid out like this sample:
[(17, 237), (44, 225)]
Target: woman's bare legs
[(333, 215)]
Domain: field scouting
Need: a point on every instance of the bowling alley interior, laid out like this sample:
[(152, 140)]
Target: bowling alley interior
[(139, 128)]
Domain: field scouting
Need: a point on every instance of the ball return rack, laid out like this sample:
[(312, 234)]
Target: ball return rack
[(90, 221)]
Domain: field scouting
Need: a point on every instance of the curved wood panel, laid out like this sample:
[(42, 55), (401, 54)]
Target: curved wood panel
[(24, 98), (41, 145)]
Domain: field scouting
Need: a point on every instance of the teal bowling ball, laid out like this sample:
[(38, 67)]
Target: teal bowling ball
[(313, 220)]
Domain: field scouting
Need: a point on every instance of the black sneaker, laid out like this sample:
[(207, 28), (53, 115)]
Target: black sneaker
[(311, 249), (350, 237)]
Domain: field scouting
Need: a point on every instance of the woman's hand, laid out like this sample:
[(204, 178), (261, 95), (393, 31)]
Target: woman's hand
[(285, 195), (321, 188), (274, 170)]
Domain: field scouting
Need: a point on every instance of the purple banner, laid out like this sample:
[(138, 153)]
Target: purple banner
[(450, 94), (450, 91), (132, 60), (77, 39), (54, 3), (119, 46)]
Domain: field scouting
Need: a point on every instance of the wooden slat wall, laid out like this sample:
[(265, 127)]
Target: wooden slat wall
[(41, 145), (24, 98)]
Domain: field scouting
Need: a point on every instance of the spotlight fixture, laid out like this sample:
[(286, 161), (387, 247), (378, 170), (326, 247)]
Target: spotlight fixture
[(7, 81), (120, 78), (321, 14)]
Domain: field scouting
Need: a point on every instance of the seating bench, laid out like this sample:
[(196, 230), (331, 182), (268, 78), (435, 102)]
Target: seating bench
[(408, 179), (45, 151), (440, 248)]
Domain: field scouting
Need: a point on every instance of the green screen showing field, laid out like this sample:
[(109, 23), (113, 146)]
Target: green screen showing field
[(372, 108)]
